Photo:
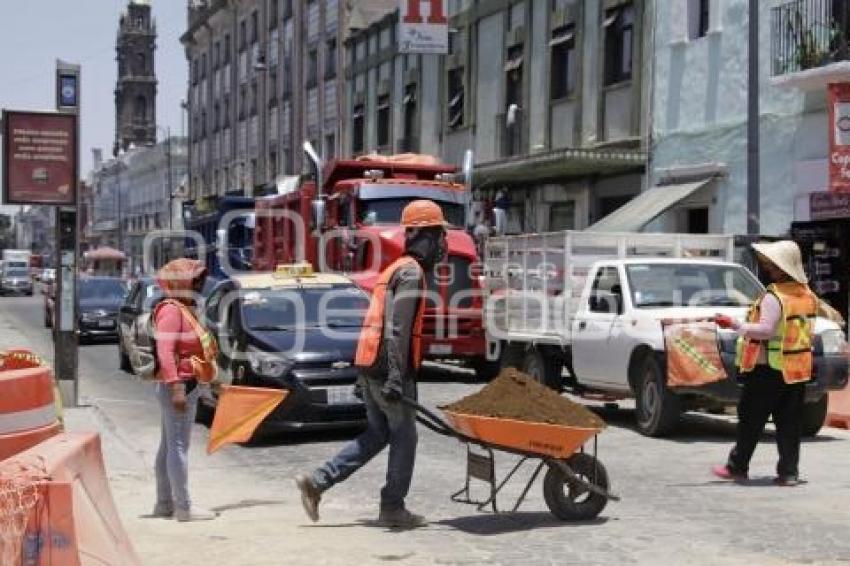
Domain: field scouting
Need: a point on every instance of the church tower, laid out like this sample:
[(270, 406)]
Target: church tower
[(135, 93)]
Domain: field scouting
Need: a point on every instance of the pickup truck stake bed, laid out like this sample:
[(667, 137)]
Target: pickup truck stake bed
[(593, 303)]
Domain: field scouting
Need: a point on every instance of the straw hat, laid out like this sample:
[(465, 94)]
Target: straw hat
[(785, 255)]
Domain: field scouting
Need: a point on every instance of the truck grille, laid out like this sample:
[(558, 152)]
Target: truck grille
[(456, 276)]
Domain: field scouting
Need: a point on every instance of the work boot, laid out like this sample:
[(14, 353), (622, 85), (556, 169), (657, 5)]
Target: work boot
[(194, 514), (400, 519), (163, 510), (310, 495)]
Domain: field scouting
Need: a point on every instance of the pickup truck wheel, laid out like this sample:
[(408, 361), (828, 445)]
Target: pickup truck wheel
[(814, 415), (486, 370), (546, 370), (657, 408)]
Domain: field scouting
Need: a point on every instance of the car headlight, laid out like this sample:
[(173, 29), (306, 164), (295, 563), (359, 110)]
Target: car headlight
[(264, 363), (834, 342)]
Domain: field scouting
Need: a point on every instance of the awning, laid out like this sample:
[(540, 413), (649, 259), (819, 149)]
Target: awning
[(513, 63), (562, 36), (646, 207)]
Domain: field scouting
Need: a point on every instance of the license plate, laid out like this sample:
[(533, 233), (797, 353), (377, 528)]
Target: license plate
[(105, 324), (440, 349), (342, 395)]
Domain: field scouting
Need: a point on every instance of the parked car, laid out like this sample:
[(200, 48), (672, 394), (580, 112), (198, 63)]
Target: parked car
[(15, 280), (296, 331), (143, 295), (100, 299)]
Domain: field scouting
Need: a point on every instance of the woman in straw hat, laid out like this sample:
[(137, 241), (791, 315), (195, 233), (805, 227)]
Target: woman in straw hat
[(774, 361)]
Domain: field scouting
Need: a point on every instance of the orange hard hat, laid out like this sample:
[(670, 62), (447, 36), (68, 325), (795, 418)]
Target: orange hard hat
[(421, 214)]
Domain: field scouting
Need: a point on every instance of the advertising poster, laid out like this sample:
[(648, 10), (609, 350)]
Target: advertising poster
[(423, 27), (39, 158), (839, 137)]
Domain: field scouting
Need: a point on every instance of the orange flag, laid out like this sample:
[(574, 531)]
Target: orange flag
[(239, 412)]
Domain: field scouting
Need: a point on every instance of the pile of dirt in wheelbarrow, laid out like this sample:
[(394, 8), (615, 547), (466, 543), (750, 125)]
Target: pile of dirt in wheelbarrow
[(515, 395)]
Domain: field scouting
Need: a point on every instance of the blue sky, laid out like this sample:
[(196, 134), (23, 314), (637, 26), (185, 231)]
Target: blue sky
[(34, 33)]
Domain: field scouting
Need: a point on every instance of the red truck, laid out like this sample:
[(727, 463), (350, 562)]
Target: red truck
[(352, 226)]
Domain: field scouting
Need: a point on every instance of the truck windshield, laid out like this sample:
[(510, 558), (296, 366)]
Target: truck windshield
[(388, 211), (16, 266), (292, 309), (16, 272), (695, 285)]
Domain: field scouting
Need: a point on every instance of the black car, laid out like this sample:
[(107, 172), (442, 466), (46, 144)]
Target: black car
[(293, 333), (143, 295), (100, 299)]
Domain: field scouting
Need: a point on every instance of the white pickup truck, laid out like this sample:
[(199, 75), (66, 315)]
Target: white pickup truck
[(593, 303)]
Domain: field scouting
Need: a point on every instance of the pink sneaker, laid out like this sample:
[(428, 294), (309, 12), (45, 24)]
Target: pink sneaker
[(725, 473)]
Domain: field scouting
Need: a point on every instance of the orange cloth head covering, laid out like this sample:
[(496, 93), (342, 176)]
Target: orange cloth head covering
[(177, 277)]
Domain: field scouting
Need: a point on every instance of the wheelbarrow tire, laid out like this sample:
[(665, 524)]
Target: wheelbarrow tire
[(568, 500)]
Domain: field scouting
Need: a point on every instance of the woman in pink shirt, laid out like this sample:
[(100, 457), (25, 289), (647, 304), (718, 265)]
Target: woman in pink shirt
[(183, 360)]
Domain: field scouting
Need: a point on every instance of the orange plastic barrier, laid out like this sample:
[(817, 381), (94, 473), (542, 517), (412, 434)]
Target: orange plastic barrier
[(74, 521), (27, 408), (838, 413)]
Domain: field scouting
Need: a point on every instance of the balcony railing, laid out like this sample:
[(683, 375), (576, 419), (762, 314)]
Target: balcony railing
[(809, 33)]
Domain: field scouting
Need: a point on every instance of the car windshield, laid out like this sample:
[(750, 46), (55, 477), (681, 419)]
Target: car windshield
[(700, 285), (339, 306), (388, 211), (102, 289)]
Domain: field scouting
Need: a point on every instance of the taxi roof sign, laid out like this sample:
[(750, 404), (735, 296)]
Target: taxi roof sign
[(294, 270)]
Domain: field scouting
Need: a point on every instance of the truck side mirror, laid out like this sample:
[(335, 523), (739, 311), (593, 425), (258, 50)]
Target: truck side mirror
[(500, 221), (318, 207)]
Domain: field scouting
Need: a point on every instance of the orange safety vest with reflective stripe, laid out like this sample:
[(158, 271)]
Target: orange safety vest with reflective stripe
[(790, 351), (373, 324), (204, 368)]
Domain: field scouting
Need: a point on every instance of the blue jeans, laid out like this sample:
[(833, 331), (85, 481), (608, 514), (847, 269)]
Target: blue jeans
[(172, 459), (388, 423)]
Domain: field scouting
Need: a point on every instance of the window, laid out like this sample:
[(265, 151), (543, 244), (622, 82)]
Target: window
[(253, 99), (272, 165), (564, 67), (330, 146), (227, 47), (272, 86), (226, 120), (358, 129), (195, 65), (141, 65), (607, 294), (203, 65), (619, 37), (287, 9), (312, 67), (243, 35), (273, 13), (141, 109), (255, 24), (383, 119), (697, 221), (330, 59), (562, 216), (455, 98), (698, 18), (409, 104), (513, 70), (216, 116)]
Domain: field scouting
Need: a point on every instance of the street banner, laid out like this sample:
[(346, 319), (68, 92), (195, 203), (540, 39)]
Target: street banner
[(39, 158), (423, 27), (828, 205), (239, 412), (839, 137), (693, 356)]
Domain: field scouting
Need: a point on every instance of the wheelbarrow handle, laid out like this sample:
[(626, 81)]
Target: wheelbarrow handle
[(429, 419)]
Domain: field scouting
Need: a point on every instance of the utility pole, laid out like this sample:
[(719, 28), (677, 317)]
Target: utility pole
[(753, 188)]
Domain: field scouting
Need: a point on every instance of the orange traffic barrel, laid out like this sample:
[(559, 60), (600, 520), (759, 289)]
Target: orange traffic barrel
[(27, 409)]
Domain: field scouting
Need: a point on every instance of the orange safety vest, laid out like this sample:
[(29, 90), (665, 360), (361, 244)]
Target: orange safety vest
[(791, 350), (373, 324)]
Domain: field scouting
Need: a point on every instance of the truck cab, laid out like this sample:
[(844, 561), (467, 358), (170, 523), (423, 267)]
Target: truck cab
[(223, 236)]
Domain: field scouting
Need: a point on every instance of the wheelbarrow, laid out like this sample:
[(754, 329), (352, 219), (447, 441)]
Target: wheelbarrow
[(575, 485)]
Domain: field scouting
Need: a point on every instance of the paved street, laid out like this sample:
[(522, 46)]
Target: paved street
[(672, 512)]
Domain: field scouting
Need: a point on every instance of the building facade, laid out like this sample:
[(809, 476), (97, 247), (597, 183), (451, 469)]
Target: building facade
[(135, 93), (135, 193), (264, 75), (550, 95)]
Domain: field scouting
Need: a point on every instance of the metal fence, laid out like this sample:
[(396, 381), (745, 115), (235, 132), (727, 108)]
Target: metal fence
[(809, 33)]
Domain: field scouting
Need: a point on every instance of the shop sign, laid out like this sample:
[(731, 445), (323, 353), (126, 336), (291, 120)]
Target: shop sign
[(39, 158), (423, 27), (839, 137), (826, 206)]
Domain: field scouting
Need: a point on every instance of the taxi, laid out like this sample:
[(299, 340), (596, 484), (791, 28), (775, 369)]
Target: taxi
[(297, 330)]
